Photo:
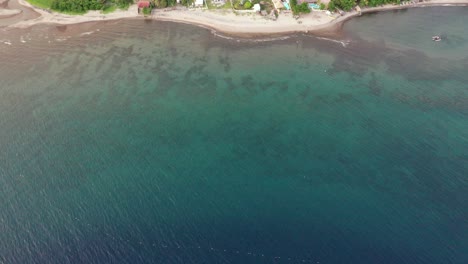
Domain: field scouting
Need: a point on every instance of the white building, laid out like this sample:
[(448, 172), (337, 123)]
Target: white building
[(257, 7)]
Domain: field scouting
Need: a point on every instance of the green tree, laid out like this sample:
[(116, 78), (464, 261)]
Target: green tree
[(186, 2), (78, 6), (147, 11), (331, 6), (247, 5), (160, 3), (345, 4), (297, 9), (122, 3), (302, 8)]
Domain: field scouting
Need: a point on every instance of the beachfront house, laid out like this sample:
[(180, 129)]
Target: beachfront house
[(257, 8), (278, 5), (143, 4), (198, 3)]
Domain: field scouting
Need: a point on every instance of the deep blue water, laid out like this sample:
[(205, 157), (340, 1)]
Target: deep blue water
[(150, 142)]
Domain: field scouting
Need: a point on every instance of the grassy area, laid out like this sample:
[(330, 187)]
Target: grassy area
[(124, 6), (109, 9), (41, 3), (227, 5), (46, 5)]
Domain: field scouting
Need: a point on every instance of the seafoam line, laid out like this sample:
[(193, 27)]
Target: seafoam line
[(343, 43)]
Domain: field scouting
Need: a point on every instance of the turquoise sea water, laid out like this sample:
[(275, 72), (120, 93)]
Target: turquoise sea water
[(147, 142)]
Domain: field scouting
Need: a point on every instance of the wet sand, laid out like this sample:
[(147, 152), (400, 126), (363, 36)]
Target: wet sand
[(25, 14)]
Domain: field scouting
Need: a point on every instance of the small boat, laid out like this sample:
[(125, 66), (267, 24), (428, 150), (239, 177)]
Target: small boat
[(436, 38)]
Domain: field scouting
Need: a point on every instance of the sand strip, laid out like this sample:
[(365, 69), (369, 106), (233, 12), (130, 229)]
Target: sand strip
[(226, 21)]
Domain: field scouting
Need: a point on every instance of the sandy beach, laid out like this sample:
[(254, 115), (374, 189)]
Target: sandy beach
[(9, 12), (254, 24), (226, 21)]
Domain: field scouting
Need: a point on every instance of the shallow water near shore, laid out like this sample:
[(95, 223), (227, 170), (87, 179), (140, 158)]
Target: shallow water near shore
[(411, 29), (146, 142)]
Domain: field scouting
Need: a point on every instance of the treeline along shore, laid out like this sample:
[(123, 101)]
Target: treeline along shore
[(222, 17)]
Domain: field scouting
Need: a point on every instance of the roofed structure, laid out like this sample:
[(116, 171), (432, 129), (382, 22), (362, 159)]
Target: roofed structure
[(358, 9), (143, 4), (257, 7), (278, 4)]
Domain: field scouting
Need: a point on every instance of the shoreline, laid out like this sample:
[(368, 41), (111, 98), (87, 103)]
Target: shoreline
[(6, 13), (249, 25)]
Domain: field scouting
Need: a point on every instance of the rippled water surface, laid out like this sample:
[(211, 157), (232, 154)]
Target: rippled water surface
[(147, 142)]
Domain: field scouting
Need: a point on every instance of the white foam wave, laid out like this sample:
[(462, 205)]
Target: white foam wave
[(62, 39), (86, 33), (215, 33), (342, 42)]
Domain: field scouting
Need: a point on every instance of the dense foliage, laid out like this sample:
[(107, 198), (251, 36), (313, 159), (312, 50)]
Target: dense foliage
[(186, 2), (349, 4), (166, 3), (244, 4), (81, 6), (378, 2), (302, 8), (146, 11), (77, 6), (297, 9), (344, 4)]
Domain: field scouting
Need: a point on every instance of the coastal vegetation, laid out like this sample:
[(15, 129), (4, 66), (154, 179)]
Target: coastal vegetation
[(147, 11), (186, 2), (77, 6), (244, 4), (109, 9), (106, 6), (378, 2), (349, 4), (82, 6), (167, 3), (299, 8), (41, 3), (343, 4)]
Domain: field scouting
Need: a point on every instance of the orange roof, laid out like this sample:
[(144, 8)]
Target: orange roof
[(143, 4)]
